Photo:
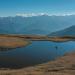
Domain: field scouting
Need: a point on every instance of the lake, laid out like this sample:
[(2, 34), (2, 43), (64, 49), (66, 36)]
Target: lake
[(36, 53)]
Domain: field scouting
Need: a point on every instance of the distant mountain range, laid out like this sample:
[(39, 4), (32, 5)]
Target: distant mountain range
[(35, 25), (65, 32)]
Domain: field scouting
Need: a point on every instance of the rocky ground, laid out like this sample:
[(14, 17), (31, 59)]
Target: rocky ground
[(62, 66)]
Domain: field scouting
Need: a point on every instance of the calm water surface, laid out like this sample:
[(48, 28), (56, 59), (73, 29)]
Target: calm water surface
[(36, 53)]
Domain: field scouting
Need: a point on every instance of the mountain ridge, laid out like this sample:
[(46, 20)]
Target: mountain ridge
[(70, 31), (35, 25)]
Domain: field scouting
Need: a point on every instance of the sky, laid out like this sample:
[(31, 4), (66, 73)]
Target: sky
[(33, 7)]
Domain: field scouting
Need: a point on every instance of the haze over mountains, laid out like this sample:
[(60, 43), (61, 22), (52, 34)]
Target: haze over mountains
[(43, 24), (65, 32)]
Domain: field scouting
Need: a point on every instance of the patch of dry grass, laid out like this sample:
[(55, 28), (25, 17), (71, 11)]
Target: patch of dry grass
[(12, 42), (61, 66)]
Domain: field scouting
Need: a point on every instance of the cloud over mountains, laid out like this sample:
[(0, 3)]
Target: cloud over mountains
[(41, 14), (30, 14)]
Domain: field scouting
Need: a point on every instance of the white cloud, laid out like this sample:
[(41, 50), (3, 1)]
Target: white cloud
[(31, 14), (40, 14)]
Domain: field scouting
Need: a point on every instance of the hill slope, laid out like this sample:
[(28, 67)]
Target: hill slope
[(66, 32)]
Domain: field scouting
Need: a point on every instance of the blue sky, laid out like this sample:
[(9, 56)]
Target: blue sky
[(13, 7)]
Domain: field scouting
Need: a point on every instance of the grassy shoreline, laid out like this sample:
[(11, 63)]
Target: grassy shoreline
[(61, 66), (39, 37), (14, 41)]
